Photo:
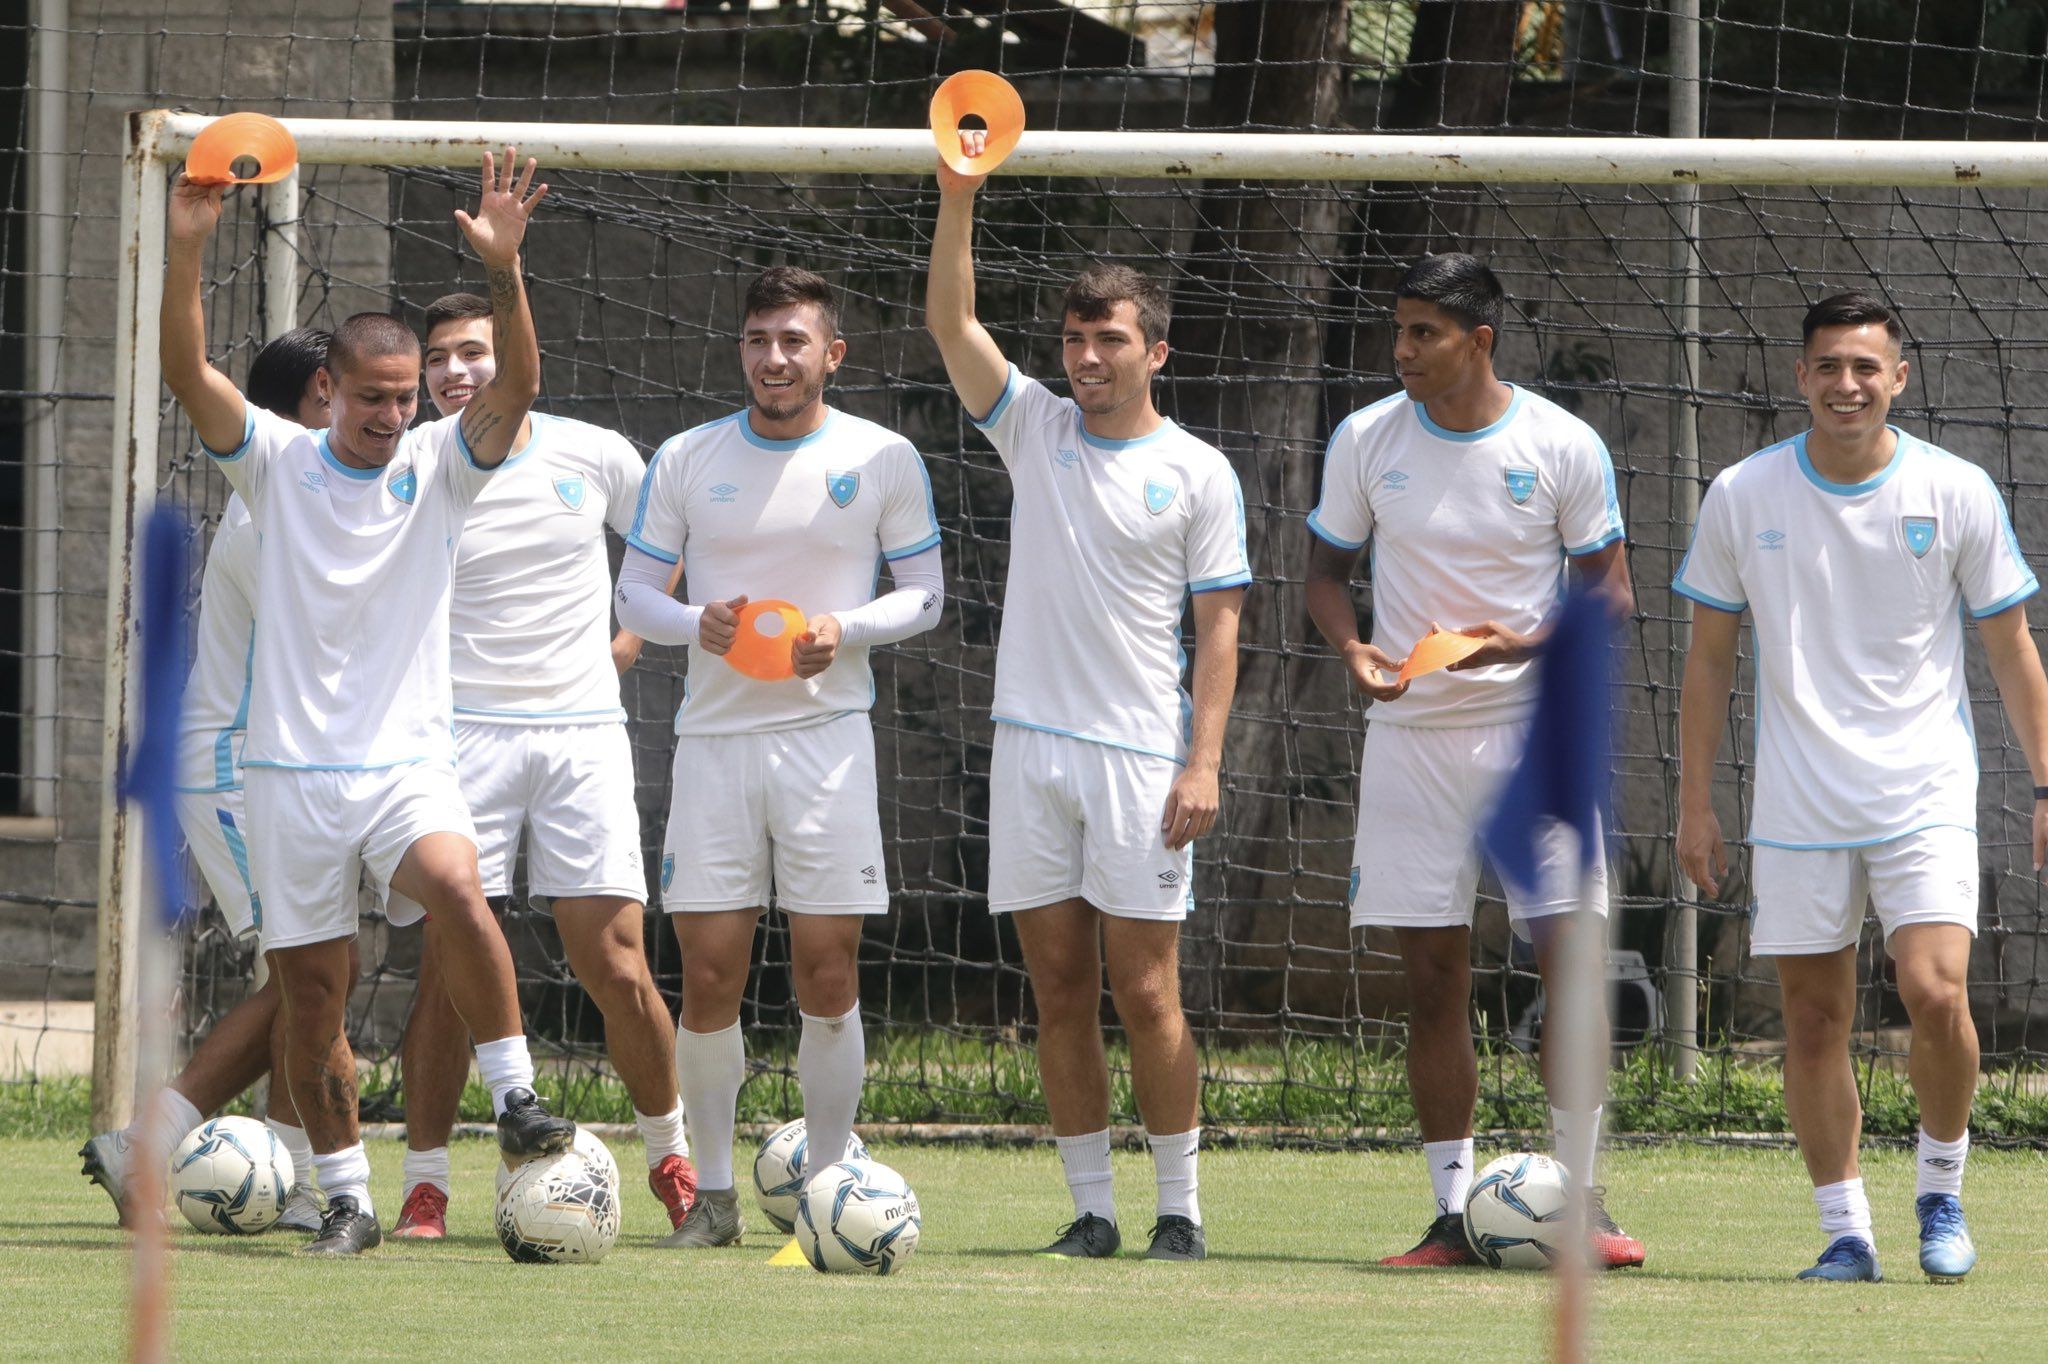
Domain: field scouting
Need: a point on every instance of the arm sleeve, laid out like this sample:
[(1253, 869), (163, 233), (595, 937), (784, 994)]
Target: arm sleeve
[(1343, 515), (1709, 573), (244, 466), (1216, 553), (911, 609), (1989, 566), (658, 524), (645, 606), (1588, 512), (1025, 405), (623, 471), (910, 523)]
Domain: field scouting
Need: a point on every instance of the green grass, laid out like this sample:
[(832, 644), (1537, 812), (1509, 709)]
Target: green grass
[(1292, 1234)]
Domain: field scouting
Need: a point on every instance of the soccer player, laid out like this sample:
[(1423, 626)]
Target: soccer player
[(1475, 495), (247, 1040), (541, 745), (1856, 548), (788, 499), (1104, 772), (349, 765)]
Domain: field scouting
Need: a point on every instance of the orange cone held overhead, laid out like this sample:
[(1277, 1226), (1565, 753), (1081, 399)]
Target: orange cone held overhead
[(227, 140), (987, 96)]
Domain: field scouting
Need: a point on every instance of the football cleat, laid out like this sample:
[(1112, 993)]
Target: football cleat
[(1087, 1237), (1848, 1259), (1177, 1238), (346, 1230), (713, 1220), (1946, 1251), (526, 1129), (1443, 1246), (1613, 1248), (424, 1215), (106, 1164), (303, 1210), (674, 1181)]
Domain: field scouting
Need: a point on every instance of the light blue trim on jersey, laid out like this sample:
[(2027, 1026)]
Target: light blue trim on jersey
[(239, 850), (1328, 537), (2008, 603), (1607, 538), (645, 548), (1166, 425), (1091, 739), (1871, 484), (207, 790), (784, 446), (248, 434), (931, 509), (995, 413), (347, 470), (1684, 589), (532, 442), (633, 537), (1240, 579), (1493, 428), (2012, 540), (340, 767), (1860, 843), (892, 555), (614, 713)]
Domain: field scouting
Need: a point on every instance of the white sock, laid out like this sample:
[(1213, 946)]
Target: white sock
[(664, 1135), (167, 1121), (710, 1067), (831, 1062), (1173, 1169), (297, 1145), (1578, 1142), (1086, 1162), (1450, 1173), (506, 1065), (426, 1167), (1844, 1211), (345, 1174), (1941, 1164)]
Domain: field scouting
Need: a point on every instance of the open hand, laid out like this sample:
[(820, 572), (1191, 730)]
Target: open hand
[(503, 208), (1373, 673)]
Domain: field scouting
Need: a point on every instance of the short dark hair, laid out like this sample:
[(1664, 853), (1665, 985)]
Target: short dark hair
[(280, 371), (369, 336), (454, 308), (1461, 285), (1097, 290), (1853, 309), (780, 286)]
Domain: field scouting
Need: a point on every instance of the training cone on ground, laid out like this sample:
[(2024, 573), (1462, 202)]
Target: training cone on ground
[(983, 95), (226, 140), (767, 633), (790, 1256), (1440, 648)]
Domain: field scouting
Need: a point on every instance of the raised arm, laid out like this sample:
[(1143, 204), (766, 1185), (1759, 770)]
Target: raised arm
[(212, 403), (1702, 718), (2016, 668), (974, 362), (491, 422)]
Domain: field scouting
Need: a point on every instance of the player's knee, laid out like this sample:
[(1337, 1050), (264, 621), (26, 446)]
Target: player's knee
[(1934, 1001), (1150, 1007), (614, 980), (1816, 1024), (1065, 991), (707, 982)]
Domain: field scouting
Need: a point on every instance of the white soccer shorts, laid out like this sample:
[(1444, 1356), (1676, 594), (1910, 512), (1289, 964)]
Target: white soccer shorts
[(217, 835), (795, 811), (1423, 795), (1810, 900), (315, 837), (569, 788), (1069, 818)]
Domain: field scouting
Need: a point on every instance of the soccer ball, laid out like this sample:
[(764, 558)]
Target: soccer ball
[(231, 1175), (586, 1145), (857, 1217), (558, 1209), (779, 1174), (1514, 1216)]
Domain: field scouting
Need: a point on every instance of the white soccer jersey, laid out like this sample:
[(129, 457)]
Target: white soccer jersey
[(530, 620), (1466, 527), (1107, 540), (1856, 594), (353, 574), (805, 521), (216, 717)]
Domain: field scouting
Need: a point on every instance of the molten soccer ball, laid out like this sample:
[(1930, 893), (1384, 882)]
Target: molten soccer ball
[(231, 1175), (780, 1175), (1515, 1214), (857, 1217), (558, 1209)]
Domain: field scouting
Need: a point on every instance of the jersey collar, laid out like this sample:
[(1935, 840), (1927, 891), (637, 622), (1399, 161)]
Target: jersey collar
[(1871, 484)]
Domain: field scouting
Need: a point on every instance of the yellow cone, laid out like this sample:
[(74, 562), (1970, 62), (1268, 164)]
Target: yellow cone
[(791, 1254)]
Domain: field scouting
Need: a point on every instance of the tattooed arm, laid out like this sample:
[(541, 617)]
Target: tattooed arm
[(492, 421)]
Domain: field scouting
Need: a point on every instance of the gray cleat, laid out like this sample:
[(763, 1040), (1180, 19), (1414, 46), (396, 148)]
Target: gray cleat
[(304, 1209), (1177, 1238), (1087, 1237), (106, 1159), (714, 1220)]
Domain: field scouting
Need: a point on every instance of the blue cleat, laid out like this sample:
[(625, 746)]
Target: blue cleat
[(1848, 1259), (1946, 1252)]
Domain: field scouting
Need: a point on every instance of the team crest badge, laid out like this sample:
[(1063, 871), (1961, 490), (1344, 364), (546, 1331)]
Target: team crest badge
[(1521, 483), (1159, 495), (406, 486), (843, 487), (668, 869), (1919, 534), (571, 489)]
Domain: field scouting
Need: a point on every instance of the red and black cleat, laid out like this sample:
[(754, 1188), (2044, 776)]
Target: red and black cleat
[(1613, 1248), (424, 1216), (674, 1181), (1443, 1246)]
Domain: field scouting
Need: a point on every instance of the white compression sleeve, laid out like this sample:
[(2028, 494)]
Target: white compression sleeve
[(911, 609), (644, 605)]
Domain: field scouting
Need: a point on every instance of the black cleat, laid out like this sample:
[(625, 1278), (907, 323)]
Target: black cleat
[(1087, 1237), (1176, 1238), (1443, 1246), (526, 1130), (346, 1230)]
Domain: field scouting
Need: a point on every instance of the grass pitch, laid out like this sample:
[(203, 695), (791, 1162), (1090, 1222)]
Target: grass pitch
[(1292, 1236)]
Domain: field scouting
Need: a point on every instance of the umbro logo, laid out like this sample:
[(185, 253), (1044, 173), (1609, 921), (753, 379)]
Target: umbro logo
[(1171, 878), (867, 876), (312, 480), (1068, 458), (1394, 479), (1770, 539), (724, 492)]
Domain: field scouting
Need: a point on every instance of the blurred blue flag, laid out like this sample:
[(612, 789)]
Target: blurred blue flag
[(150, 778), (1566, 771)]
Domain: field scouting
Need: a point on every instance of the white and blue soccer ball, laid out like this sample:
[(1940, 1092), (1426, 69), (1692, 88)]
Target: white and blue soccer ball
[(231, 1176), (1515, 1214), (857, 1217), (587, 1145), (781, 1169), (559, 1209)]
